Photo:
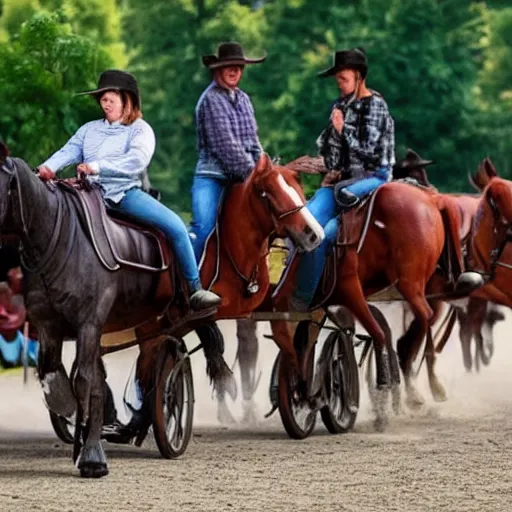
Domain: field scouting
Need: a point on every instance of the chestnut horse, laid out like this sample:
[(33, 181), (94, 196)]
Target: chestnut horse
[(404, 243), (489, 250), (235, 263)]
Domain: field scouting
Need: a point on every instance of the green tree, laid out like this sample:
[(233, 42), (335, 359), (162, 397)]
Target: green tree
[(41, 69)]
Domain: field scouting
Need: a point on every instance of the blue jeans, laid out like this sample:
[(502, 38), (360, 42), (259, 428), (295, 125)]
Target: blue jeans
[(324, 208), (142, 206), (207, 195)]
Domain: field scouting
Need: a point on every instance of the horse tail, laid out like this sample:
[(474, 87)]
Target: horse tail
[(452, 221)]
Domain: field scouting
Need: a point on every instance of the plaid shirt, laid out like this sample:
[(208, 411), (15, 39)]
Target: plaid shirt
[(367, 141), (227, 134)]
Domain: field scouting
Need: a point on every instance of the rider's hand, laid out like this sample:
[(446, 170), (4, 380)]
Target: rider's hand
[(337, 119), (85, 169), (45, 173)]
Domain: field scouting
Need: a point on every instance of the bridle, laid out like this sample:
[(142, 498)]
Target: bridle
[(502, 234), (251, 282)]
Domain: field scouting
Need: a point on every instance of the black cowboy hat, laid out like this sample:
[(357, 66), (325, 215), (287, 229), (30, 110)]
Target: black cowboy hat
[(116, 80), (348, 59), (412, 161), (229, 54)]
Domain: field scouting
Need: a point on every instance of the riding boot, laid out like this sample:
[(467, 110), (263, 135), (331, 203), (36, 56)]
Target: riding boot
[(201, 298), (469, 281), (345, 198)]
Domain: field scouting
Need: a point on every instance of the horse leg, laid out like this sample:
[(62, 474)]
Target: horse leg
[(57, 389), (393, 361), (409, 344), (477, 309), (436, 388), (465, 335), (282, 333), (349, 289), (89, 386), (247, 360)]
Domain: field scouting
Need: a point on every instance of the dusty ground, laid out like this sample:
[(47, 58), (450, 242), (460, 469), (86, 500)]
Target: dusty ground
[(455, 456)]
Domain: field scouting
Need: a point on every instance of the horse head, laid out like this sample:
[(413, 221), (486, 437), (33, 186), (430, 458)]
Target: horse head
[(493, 220), (484, 173), (279, 187)]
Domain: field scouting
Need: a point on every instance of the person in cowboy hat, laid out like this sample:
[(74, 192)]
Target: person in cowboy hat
[(359, 143), (412, 166), (115, 152), (227, 138)]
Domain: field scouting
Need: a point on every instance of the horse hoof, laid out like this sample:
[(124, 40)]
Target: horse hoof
[(93, 470), (224, 416), (414, 400), (439, 394), (92, 462), (250, 417), (381, 424)]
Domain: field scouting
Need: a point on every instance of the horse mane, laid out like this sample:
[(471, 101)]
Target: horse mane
[(483, 175)]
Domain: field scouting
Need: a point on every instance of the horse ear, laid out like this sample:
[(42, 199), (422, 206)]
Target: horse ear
[(489, 168), (483, 174), (4, 151), (263, 163)]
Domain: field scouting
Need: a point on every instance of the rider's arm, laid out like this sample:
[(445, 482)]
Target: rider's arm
[(71, 153), (235, 160), (364, 141), (135, 160)]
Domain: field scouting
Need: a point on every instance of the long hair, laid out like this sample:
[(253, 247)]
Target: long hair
[(131, 112)]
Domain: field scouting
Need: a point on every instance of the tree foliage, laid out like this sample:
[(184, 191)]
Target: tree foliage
[(442, 66)]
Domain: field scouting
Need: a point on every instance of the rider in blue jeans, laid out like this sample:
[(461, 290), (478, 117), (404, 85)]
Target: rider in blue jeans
[(115, 152), (227, 139), (358, 141)]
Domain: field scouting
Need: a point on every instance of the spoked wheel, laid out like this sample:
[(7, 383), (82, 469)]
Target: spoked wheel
[(63, 427), (341, 384), (173, 411), (297, 415)]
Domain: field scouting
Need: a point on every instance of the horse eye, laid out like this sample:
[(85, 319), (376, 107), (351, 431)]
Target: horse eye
[(263, 194)]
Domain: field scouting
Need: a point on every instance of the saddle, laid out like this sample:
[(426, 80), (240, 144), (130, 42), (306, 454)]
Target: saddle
[(119, 240), (352, 231)]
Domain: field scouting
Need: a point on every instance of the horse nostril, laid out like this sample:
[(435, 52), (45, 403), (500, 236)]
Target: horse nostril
[(307, 230), (313, 237)]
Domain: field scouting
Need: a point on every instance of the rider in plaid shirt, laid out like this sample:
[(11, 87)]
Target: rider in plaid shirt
[(227, 136), (358, 144)]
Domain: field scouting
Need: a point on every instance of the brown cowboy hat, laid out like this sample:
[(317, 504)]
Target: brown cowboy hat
[(229, 54), (412, 161), (347, 59), (116, 80)]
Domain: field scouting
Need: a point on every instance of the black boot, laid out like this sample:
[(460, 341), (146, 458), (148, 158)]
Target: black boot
[(203, 299), (345, 199)]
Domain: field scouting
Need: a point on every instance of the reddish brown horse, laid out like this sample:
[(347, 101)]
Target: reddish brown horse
[(406, 235), (235, 265)]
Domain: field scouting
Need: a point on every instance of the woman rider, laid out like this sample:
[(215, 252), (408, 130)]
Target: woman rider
[(115, 152), (359, 141)]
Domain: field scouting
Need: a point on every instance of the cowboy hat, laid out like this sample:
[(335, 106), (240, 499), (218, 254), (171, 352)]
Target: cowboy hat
[(348, 59), (116, 80), (229, 54)]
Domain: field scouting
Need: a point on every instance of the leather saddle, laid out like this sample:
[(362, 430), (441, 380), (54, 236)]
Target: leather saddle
[(121, 241), (353, 227)]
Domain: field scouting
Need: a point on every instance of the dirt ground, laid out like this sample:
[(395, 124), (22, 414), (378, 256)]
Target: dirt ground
[(455, 456)]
